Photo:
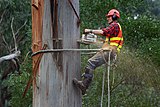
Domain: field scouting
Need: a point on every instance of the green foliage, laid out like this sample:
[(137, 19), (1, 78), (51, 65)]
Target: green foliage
[(151, 50), (17, 84), (93, 13), (140, 30), (143, 35)]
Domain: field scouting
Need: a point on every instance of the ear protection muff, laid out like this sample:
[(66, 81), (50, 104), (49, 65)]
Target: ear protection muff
[(114, 17)]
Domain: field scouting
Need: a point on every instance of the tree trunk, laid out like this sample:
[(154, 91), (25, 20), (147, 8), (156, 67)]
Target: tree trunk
[(53, 85)]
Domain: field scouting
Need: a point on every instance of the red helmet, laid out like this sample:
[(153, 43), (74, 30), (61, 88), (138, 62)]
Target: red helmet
[(113, 12)]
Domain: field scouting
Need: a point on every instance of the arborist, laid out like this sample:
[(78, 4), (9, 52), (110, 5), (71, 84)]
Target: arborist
[(113, 42)]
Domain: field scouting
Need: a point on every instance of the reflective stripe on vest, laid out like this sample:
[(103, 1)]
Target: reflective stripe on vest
[(116, 38)]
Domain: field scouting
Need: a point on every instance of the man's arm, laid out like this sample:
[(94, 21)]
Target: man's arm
[(112, 30), (97, 32)]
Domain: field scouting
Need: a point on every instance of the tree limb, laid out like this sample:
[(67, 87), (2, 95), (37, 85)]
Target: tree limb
[(14, 34), (2, 16), (6, 44), (9, 57), (21, 27)]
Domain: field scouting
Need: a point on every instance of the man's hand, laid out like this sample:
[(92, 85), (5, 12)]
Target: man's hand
[(87, 30)]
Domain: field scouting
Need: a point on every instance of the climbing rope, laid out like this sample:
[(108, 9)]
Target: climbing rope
[(109, 63), (107, 68)]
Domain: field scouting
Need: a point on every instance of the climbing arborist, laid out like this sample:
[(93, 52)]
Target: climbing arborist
[(113, 42)]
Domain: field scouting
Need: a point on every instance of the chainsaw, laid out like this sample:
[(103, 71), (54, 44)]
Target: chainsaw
[(90, 37)]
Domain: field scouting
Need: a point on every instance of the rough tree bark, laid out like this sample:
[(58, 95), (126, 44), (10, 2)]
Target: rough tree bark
[(55, 23)]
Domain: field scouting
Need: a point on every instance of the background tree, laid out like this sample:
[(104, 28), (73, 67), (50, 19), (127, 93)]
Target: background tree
[(15, 19)]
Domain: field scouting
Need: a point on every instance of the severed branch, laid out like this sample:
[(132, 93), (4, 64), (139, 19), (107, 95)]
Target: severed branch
[(9, 57)]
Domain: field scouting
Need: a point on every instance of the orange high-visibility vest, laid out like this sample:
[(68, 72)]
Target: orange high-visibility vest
[(116, 41)]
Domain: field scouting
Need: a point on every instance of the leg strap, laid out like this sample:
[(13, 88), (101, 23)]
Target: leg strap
[(88, 75)]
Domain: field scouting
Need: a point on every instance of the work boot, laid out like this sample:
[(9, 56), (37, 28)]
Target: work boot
[(87, 79), (82, 85)]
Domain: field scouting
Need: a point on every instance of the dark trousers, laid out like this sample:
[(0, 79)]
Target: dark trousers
[(100, 58)]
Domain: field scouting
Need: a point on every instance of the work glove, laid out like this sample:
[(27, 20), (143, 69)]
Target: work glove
[(86, 31)]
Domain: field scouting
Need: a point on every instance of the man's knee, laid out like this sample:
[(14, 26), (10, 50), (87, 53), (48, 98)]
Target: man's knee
[(91, 64)]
